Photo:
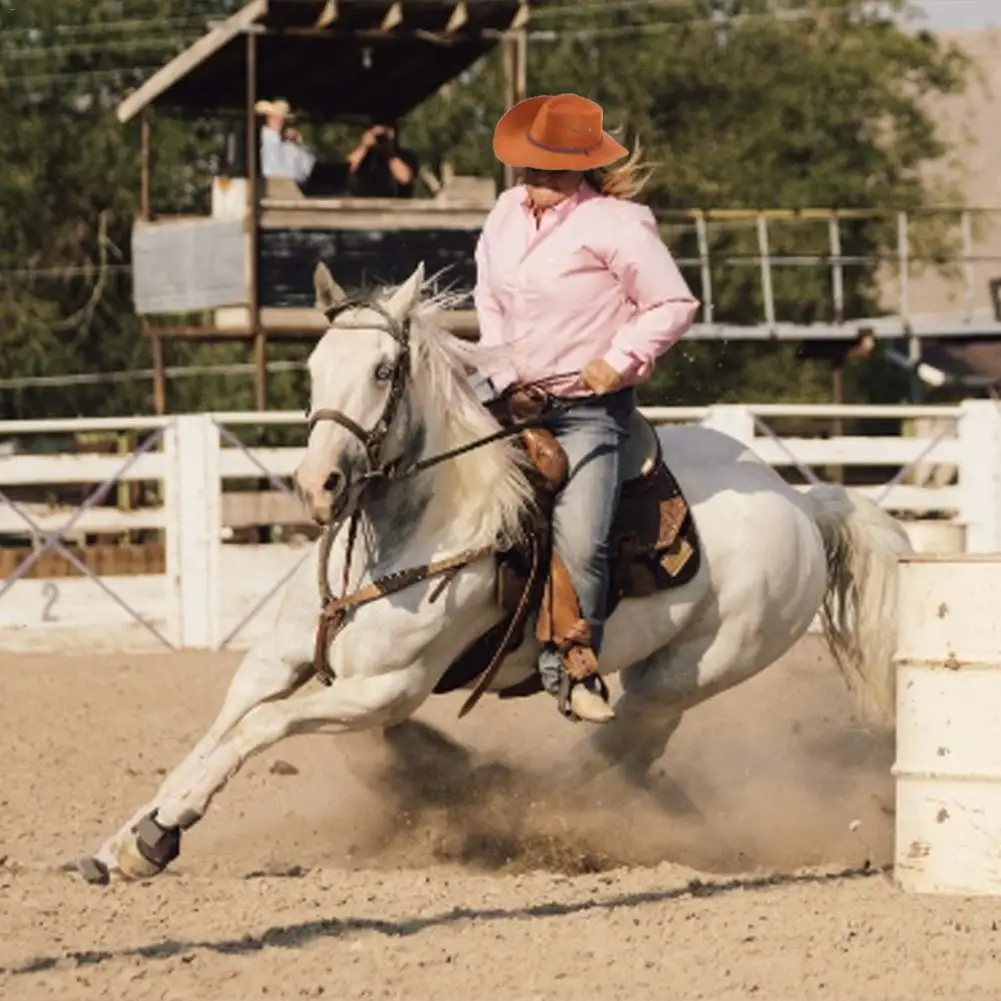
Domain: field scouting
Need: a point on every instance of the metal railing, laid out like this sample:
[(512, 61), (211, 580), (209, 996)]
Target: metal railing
[(939, 239)]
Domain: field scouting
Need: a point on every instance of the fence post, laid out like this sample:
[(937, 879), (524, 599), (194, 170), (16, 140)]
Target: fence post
[(979, 434), (734, 419), (193, 509)]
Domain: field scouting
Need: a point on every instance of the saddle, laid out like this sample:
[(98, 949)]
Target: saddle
[(653, 546)]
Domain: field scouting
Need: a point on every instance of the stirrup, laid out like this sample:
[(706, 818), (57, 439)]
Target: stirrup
[(566, 687)]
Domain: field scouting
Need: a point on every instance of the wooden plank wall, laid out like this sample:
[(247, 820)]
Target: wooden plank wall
[(359, 260), (105, 559)]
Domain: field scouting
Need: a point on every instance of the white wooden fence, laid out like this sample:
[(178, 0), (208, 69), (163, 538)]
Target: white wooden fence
[(946, 474)]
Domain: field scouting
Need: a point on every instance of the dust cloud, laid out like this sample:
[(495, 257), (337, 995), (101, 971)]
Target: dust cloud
[(771, 775)]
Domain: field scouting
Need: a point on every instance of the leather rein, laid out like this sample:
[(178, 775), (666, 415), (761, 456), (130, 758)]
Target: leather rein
[(334, 611)]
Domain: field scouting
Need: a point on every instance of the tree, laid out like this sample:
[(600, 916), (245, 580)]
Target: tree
[(66, 208)]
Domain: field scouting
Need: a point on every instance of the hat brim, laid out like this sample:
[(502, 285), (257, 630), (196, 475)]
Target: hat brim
[(265, 108), (513, 147)]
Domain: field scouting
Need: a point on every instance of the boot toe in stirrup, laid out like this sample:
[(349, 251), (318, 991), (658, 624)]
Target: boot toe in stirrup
[(590, 706)]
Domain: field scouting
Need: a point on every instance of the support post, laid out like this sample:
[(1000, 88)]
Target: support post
[(837, 473), (705, 266), (837, 268), (735, 420), (979, 434), (514, 54), (144, 165), (521, 65), (765, 254), (145, 214), (253, 230), (159, 369), (193, 515)]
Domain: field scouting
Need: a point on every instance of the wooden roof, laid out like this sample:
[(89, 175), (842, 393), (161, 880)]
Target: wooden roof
[(331, 59)]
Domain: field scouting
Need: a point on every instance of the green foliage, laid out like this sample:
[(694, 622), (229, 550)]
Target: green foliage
[(737, 107), (67, 203)]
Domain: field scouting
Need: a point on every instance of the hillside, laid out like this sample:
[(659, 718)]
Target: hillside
[(973, 123)]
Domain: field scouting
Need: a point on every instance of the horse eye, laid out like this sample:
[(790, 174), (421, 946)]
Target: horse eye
[(383, 372)]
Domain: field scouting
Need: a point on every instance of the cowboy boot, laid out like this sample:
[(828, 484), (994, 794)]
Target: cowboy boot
[(577, 699), (584, 694), (588, 702)]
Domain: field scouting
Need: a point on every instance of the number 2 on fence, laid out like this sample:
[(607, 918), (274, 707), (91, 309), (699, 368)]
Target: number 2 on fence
[(50, 592)]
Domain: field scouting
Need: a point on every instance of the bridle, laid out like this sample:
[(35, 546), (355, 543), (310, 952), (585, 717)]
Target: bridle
[(373, 439)]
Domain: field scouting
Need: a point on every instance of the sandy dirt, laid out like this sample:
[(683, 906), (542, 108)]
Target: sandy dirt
[(735, 875)]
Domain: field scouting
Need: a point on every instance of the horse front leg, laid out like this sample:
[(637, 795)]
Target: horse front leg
[(275, 668), (349, 704)]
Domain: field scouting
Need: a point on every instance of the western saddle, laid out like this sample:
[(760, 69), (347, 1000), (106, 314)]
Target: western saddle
[(653, 547)]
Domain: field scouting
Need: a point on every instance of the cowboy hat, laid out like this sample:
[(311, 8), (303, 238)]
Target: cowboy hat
[(561, 132), (281, 107)]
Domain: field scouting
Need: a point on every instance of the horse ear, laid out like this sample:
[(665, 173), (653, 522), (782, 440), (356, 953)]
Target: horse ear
[(328, 293), (407, 295)]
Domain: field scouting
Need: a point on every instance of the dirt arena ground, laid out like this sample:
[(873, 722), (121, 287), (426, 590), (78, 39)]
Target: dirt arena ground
[(735, 876)]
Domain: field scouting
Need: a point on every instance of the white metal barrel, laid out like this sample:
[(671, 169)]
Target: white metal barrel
[(948, 755)]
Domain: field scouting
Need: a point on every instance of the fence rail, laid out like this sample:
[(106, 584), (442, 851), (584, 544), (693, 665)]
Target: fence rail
[(933, 466)]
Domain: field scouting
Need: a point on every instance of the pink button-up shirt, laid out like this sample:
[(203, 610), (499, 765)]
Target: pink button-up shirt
[(588, 279)]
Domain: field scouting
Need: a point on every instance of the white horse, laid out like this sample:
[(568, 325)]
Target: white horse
[(773, 557)]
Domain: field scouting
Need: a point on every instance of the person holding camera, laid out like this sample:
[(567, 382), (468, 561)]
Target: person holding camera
[(284, 153), (379, 167)]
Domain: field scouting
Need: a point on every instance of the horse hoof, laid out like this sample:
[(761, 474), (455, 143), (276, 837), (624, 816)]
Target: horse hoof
[(134, 865), (93, 870)]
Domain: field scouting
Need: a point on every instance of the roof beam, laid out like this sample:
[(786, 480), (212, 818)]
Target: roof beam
[(328, 15), (161, 81), (458, 17), (393, 17)]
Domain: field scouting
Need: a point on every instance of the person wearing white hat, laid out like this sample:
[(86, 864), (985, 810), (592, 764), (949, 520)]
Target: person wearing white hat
[(284, 153)]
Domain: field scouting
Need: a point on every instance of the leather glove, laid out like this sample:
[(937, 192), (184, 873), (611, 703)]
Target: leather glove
[(600, 377)]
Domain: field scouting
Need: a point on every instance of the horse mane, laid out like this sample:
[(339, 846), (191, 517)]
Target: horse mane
[(486, 488)]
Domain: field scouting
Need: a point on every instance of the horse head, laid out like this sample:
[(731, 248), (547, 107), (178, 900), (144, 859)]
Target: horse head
[(362, 421)]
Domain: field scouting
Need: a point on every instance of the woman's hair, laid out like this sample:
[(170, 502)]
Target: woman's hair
[(622, 180)]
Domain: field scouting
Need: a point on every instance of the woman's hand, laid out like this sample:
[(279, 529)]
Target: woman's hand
[(600, 377)]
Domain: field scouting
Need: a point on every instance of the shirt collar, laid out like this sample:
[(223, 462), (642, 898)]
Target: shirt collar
[(565, 207)]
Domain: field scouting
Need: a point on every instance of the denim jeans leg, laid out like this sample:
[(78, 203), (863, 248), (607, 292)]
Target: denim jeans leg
[(593, 437)]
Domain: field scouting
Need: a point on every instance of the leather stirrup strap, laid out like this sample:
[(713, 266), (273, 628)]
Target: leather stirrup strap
[(517, 620)]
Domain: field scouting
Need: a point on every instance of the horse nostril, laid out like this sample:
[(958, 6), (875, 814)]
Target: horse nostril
[(334, 483)]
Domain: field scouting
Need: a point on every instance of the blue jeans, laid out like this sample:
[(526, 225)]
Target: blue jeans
[(593, 436)]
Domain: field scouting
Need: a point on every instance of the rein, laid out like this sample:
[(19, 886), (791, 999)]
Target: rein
[(334, 611), (558, 407)]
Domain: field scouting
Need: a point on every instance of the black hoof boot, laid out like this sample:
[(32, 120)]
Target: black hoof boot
[(158, 845)]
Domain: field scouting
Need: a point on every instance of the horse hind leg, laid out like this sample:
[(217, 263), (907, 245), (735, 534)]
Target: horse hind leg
[(656, 692)]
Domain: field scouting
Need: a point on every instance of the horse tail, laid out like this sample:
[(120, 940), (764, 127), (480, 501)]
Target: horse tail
[(859, 612)]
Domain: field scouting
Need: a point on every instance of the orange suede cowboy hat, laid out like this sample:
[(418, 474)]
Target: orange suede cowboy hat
[(561, 132)]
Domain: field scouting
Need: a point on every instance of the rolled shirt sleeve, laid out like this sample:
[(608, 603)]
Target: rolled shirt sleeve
[(665, 306)]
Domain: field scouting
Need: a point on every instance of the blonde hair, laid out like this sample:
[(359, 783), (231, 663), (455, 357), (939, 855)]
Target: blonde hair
[(622, 180)]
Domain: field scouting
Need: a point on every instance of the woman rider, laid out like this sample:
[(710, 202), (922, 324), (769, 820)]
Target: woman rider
[(572, 277)]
